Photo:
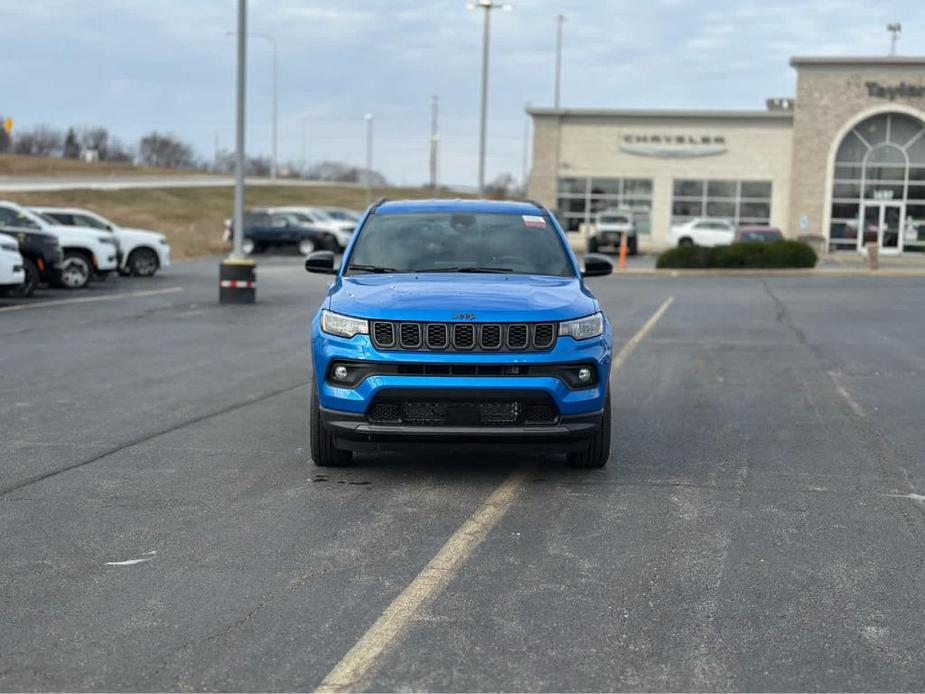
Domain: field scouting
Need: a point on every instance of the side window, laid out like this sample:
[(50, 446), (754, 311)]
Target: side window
[(61, 218), (279, 221), (7, 217), (85, 221)]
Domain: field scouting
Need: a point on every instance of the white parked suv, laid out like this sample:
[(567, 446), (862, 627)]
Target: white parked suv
[(702, 231), (12, 271), (609, 227), (317, 217), (87, 252), (141, 252)]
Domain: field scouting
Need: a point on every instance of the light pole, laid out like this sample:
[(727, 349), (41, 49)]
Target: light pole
[(304, 123), (237, 277), (895, 30), (369, 157), (434, 141), (275, 92), (487, 6), (560, 20)]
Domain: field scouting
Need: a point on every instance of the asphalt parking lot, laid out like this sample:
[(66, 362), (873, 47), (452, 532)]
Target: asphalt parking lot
[(760, 526)]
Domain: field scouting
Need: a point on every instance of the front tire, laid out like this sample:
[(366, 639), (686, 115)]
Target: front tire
[(76, 270), (306, 246), (686, 241), (143, 262), (324, 450), (248, 246), (597, 448), (632, 245)]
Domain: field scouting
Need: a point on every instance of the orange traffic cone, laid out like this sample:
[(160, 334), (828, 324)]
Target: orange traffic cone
[(624, 251)]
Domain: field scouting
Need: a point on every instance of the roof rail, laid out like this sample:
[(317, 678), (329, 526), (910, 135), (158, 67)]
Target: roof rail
[(376, 204), (536, 204)]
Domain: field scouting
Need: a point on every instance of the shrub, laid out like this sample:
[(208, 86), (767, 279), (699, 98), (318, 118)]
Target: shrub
[(769, 255)]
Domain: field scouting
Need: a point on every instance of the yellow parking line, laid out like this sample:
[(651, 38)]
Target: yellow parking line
[(361, 660), (88, 299)]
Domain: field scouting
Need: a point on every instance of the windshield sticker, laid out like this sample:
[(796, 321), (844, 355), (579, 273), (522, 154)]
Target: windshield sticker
[(532, 220)]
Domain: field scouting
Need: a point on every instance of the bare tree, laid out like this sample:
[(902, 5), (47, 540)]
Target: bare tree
[(166, 151), (118, 151), (95, 138), (40, 141), (503, 186)]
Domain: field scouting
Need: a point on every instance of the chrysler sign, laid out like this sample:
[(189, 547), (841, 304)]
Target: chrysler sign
[(673, 146)]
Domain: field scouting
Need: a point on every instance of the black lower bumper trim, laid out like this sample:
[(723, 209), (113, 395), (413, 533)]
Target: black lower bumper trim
[(354, 432)]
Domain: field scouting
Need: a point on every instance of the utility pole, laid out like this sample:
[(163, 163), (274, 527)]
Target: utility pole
[(369, 157), (526, 146), (487, 6), (560, 20), (275, 123), (237, 275), (895, 30), (434, 141)]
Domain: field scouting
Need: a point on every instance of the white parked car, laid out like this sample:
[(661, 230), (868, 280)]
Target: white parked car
[(318, 218), (342, 214), (702, 231), (141, 252), (87, 252), (609, 228), (12, 272)]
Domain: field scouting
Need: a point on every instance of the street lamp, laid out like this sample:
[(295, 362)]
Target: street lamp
[(272, 41), (487, 6), (369, 156), (560, 20), (895, 30)]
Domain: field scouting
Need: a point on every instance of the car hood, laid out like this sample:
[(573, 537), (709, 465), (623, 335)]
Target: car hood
[(139, 235), (442, 297)]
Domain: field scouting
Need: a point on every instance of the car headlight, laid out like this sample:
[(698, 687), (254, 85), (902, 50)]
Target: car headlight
[(343, 326), (583, 328)]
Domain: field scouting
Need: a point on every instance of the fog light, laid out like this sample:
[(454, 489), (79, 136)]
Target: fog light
[(340, 373), (584, 374)]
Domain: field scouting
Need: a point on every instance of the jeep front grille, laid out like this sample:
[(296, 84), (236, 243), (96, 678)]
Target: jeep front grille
[(464, 337)]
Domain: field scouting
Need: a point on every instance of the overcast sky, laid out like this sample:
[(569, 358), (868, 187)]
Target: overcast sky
[(139, 65)]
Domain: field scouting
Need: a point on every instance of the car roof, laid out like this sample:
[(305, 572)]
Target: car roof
[(470, 206), (65, 210)]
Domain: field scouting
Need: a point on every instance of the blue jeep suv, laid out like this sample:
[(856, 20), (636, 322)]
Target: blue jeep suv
[(460, 322)]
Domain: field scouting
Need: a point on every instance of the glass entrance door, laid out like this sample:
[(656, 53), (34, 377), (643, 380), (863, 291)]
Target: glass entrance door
[(881, 223)]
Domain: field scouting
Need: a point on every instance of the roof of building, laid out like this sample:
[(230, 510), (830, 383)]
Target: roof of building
[(470, 206), (659, 113), (858, 60)]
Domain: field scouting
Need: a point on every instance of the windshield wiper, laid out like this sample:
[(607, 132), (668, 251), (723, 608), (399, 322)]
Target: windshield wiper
[(371, 268), (469, 268)]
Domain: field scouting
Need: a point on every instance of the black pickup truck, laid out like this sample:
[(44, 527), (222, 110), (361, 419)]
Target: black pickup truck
[(41, 254), (264, 230)]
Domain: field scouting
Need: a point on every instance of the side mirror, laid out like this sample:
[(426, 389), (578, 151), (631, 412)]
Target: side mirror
[(596, 265), (321, 262)]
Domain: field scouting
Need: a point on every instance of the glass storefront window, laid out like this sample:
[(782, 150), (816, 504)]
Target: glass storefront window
[(581, 198), (737, 201), (880, 168)]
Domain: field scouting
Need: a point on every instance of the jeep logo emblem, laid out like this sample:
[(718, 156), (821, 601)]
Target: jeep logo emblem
[(464, 316)]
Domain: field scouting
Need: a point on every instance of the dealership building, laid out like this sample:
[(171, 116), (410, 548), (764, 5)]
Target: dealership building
[(843, 161)]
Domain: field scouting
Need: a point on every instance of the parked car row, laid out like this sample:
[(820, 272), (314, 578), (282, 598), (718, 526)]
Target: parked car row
[(307, 228), (708, 231), (69, 247)]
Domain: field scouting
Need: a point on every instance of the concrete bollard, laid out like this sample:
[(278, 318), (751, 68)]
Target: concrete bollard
[(873, 255), (237, 281)]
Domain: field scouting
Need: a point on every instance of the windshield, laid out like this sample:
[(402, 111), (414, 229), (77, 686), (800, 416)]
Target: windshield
[(459, 242)]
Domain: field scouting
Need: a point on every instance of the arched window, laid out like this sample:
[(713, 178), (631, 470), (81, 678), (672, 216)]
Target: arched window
[(879, 188)]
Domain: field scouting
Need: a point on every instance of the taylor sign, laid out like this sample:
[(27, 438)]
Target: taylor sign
[(673, 146), (903, 90)]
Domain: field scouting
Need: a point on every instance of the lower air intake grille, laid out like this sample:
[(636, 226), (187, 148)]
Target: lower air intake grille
[(462, 412)]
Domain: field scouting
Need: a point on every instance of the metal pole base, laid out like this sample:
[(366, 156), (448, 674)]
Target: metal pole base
[(237, 281)]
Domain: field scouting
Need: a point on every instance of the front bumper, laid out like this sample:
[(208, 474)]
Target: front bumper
[(345, 409), (353, 431)]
